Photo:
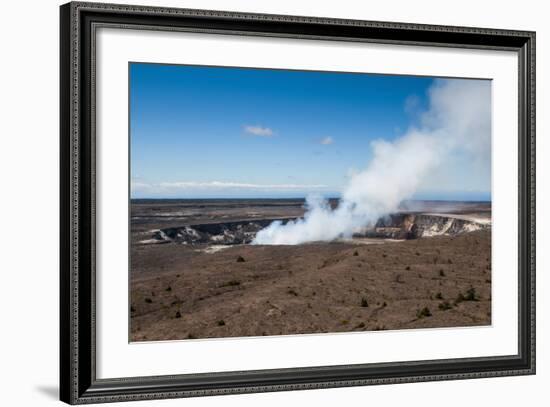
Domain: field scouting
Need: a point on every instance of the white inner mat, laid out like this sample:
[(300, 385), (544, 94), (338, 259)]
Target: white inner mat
[(117, 358)]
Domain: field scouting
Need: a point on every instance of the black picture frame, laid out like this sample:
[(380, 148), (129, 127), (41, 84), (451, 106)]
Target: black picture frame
[(78, 382)]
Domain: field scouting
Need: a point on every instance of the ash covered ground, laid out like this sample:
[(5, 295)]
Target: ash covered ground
[(194, 273)]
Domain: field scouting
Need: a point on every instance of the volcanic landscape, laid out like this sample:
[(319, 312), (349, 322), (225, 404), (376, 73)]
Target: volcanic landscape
[(195, 274)]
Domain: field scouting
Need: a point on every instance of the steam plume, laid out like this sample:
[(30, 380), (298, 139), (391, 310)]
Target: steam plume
[(458, 120)]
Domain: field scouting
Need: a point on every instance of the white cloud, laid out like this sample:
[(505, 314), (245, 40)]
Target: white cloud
[(136, 185), (173, 187), (326, 141), (258, 131), (236, 185)]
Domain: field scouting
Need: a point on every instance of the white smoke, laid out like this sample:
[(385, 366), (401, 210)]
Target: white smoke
[(458, 120)]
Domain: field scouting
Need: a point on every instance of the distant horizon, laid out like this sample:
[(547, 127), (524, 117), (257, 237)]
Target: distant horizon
[(294, 198)]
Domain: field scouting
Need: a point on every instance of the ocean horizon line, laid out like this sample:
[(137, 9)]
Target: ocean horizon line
[(301, 198)]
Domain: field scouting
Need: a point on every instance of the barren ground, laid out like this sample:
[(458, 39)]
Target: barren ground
[(181, 291)]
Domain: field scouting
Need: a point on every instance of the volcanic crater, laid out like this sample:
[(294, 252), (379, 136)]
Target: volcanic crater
[(394, 226)]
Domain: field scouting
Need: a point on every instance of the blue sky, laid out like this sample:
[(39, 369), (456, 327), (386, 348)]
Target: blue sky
[(214, 132)]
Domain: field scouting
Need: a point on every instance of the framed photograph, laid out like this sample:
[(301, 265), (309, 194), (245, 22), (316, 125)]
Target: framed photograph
[(255, 203)]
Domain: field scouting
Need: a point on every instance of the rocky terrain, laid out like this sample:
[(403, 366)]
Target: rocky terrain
[(194, 275), (395, 226)]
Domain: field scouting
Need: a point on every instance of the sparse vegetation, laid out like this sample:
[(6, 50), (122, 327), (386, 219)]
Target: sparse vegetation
[(292, 292), (444, 306), (231, 283), (423, 313), (471, 295)]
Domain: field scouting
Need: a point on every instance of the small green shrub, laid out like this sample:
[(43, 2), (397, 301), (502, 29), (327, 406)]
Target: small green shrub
[(231, 283), (445, 305), (471, 295), (423, 313), (292, 292)]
